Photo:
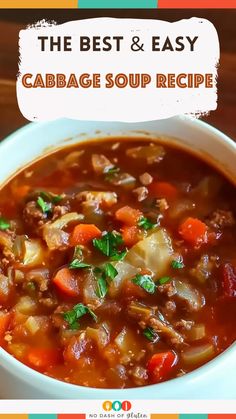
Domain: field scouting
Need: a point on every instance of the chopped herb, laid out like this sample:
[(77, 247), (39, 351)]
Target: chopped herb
[(4, 224), (45, 207), (164, 280), (146, 224), (110, 173), (51, 197), (104, 275), (177, 264), (30, 286), (110, 271), (119, 255), (77, 264), (102, 288), (145, 282), (150, 334), (78, 252), (76, 313), (108, 243)]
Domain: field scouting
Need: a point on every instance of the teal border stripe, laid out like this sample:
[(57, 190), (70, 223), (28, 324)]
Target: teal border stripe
[(42, 416), (193, 416), (117, 4)]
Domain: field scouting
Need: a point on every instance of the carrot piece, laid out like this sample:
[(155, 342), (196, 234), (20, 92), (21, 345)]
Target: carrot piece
[(127, 215), (193, 231), (66, 282), (160, 366), (43, 357), (163, 190), (5, 319), (84, 233), (130, 235)]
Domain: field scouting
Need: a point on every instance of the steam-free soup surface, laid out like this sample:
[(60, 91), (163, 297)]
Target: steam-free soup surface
[(117, 264)]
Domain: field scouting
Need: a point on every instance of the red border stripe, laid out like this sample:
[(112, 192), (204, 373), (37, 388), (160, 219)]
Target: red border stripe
[(196, 4)]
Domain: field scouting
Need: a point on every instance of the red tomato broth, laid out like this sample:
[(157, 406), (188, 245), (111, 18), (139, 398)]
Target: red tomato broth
[(129, 325)]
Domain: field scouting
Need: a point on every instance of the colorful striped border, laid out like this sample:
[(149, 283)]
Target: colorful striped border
[(84, 416), (117, 4)]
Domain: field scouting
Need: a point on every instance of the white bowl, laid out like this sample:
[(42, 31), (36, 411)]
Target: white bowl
[(214, 380)]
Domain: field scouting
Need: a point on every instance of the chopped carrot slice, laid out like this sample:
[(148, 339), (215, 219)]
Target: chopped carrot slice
[(43, 357), (130, 235), (193, 231), (163, 190), (84, 234), (5, 319), (160, 366), (66, 282), (129, 216)]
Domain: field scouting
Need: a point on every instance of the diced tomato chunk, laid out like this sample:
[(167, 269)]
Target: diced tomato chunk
[(84, 234), (128, 215), (193, 231), (229, 280), (66, 282), (160, 366), (131, 290), (130, 235), (43, 357), (163, 190), (5, 319)]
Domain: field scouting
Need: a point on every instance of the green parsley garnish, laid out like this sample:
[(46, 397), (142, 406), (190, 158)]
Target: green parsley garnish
[(102, 288), (110, 271), (150, 334), (78, 252), (108, 243), (77, 264), (4, 224), (110, 173), (45, 206), (177, 264), (119, 255), (51, 197), (146, 282), (105, 275), (164, 280), (76, 313), (146, 224)]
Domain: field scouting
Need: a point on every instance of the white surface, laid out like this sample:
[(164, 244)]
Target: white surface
[(102, 103), (216, 379)]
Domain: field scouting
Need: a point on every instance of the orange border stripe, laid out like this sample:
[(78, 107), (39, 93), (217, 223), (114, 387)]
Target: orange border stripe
[(38, 4), (196, 4)]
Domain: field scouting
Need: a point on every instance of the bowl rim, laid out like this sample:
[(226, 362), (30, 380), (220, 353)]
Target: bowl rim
[(24, 372)]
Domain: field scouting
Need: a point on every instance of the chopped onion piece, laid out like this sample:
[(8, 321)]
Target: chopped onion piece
[(66, 219), (34, 253), (152, 153), (198, 354), (101, 198), (128, 344), (125, 271), (33, 324), (26, 305), (189, 295), (197, 332), (100, 335), (55, 238), (154, 252), (5, 240), (101, 164), (181, 207)]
